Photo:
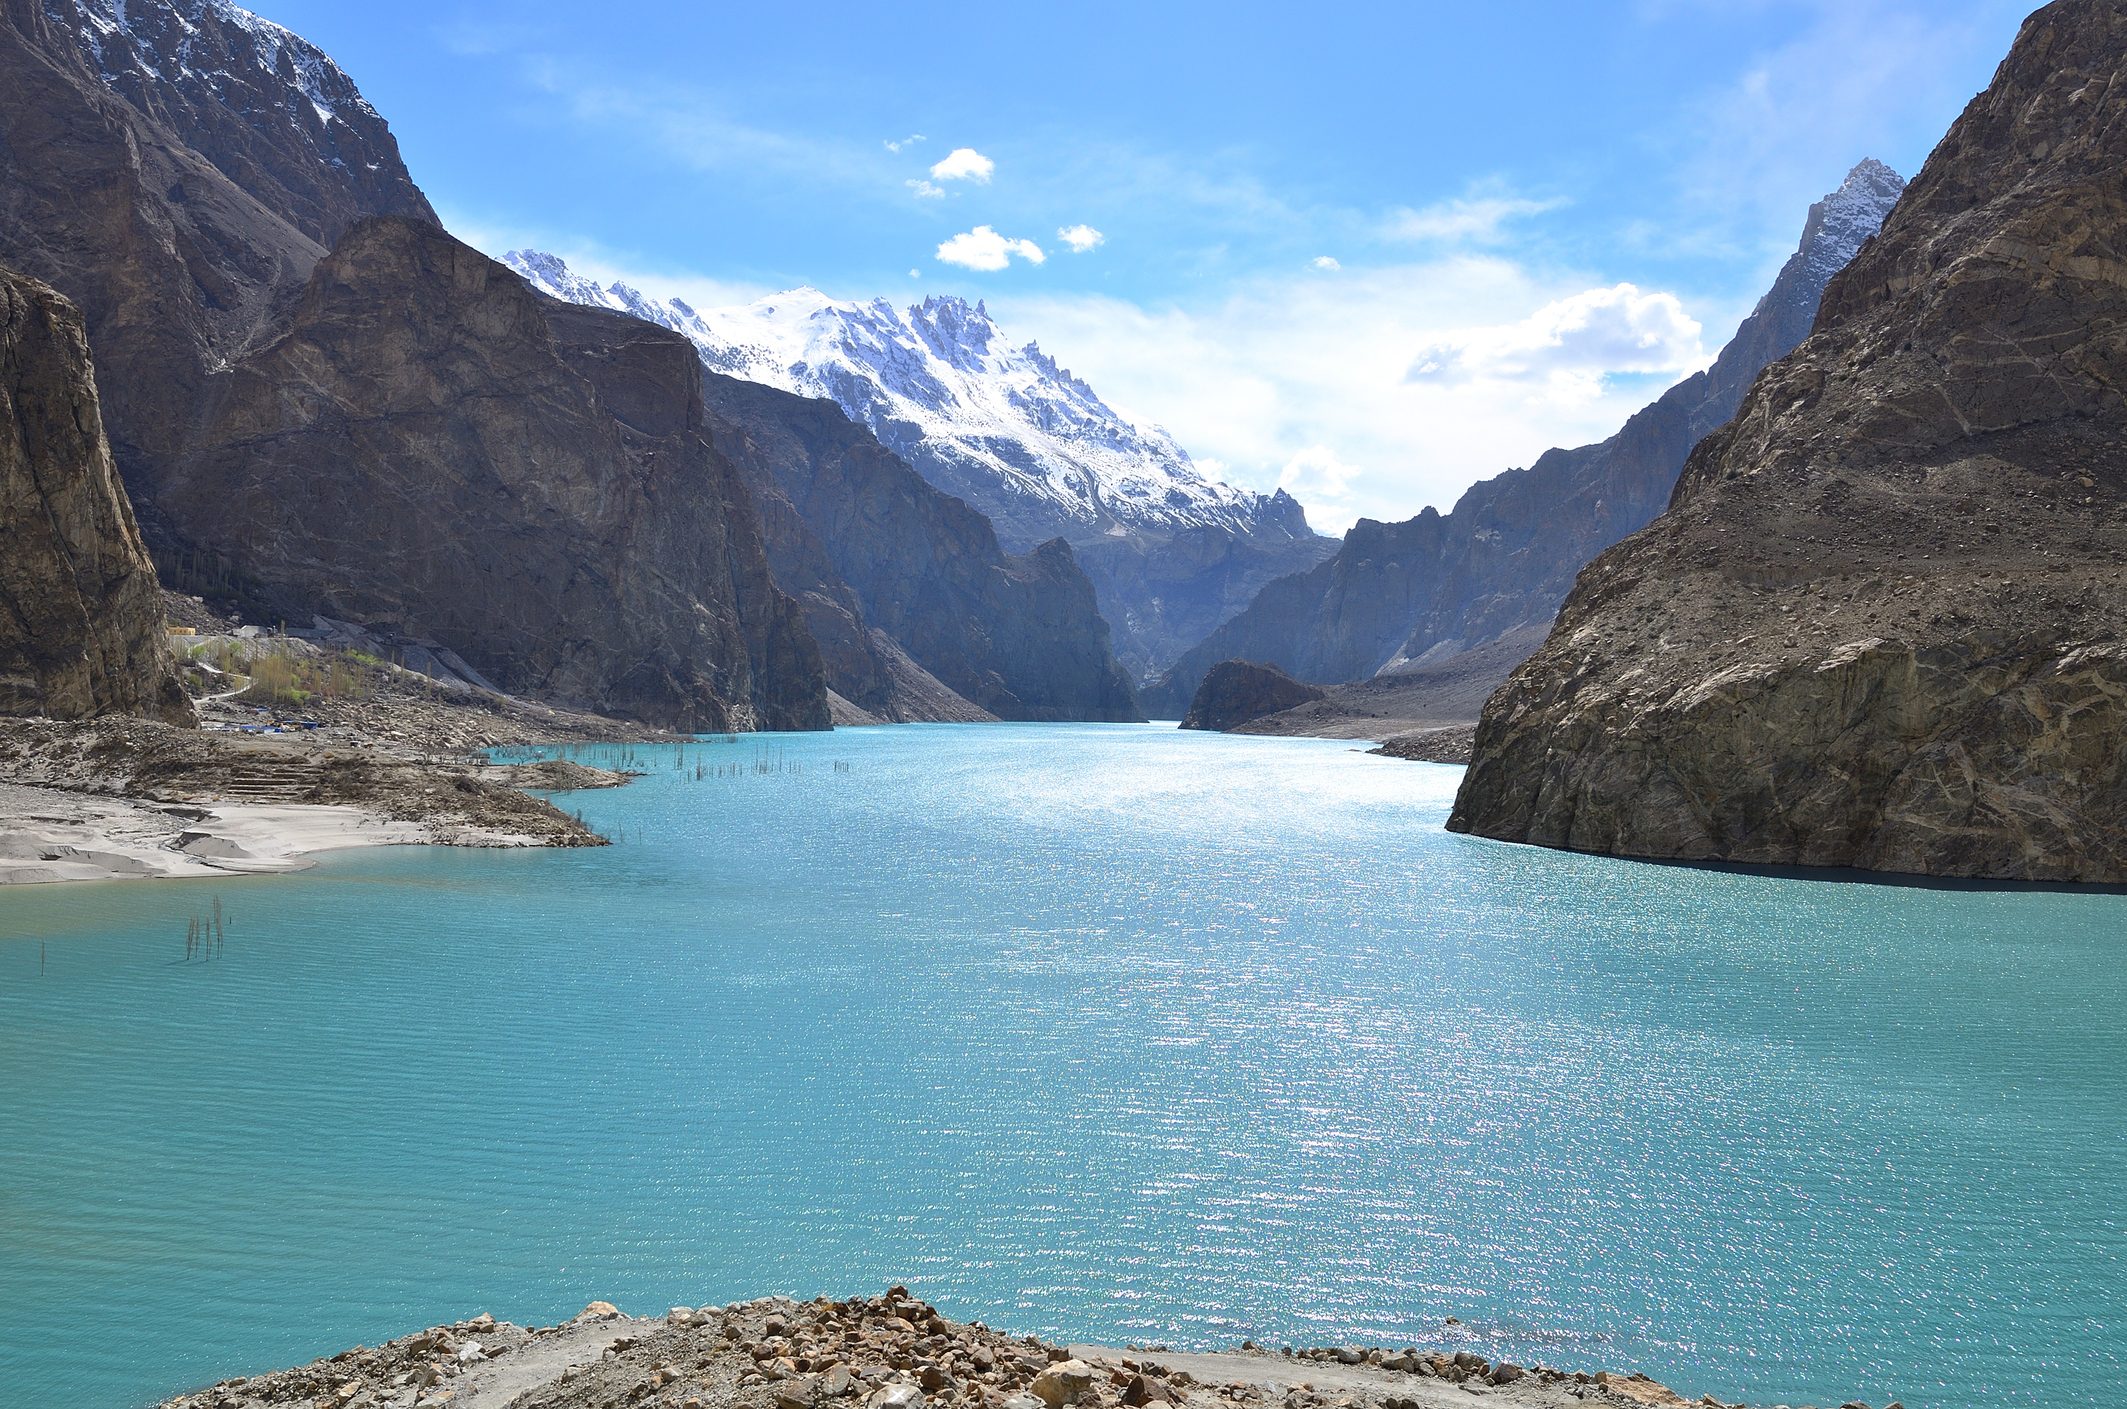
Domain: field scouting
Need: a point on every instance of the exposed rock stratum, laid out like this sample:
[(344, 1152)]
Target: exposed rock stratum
[(81, 624)]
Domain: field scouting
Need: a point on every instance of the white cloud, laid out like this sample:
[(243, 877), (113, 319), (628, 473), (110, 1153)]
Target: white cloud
[(1471, 219), (1589, 335), (909, 141), (1080, 237), (915, 273), (983, 248), (1297, 379), (1572, 342), (964, 164), (1327, 263), (1322, 483), (925, 190)]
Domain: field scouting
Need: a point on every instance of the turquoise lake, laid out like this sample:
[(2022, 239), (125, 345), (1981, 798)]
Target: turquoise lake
[(1100, 1032)]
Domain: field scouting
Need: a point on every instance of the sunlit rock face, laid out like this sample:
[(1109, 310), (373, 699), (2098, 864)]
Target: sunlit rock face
[(1880, 623)]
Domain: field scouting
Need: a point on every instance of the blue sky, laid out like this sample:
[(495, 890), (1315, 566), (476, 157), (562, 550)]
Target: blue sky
[(1294, 203)]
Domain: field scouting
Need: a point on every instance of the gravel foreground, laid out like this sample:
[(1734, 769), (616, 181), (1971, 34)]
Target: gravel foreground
[(887, 1352)]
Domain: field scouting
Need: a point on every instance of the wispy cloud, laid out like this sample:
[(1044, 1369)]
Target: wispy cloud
[(1478, 218), (925, 190), (964, 164), (903, 143), (691, 127), (1327, 263), (982, 248), (1858, 78)]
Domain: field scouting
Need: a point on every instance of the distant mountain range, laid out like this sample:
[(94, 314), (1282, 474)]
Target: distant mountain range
[(1003, 427), (1412, 595)]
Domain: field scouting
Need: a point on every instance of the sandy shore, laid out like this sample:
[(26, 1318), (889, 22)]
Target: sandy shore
[(129, 800), (890, 1352), (48, 835)]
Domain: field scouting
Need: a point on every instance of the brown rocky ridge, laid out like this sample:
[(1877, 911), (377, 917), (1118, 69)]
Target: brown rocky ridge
[(1880, 623), (81, 623), (888, 1352), (1422, 591)]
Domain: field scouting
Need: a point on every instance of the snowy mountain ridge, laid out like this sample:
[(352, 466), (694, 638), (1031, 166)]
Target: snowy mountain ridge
[(938, 382), (119, 41), (1842, 222)]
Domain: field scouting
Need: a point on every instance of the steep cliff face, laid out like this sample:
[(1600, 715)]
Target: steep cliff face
[(81, 624), (180, 168), (1433, 586), (1880, 624), (263, 106), (173, 264), (875, 551), (432, 447)]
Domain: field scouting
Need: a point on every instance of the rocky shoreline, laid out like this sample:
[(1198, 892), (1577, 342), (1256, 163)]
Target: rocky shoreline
[(885, 1352), (117, 799)]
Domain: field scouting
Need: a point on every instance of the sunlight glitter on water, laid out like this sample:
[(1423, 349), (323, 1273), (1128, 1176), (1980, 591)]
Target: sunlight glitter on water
[(1102, 1032)]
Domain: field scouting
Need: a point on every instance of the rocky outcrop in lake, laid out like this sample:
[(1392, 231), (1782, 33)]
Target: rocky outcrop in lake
[(1434, 586), (81, 623), (1235, 692), (322, 403), (1880, 624)]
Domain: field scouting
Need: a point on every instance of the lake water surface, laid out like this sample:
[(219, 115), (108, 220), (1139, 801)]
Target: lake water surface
[(1102, 1032)]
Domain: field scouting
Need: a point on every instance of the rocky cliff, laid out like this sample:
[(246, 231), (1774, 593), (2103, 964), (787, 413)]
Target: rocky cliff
[(432, 447), (1435, 586), (920, 614), (1880, 624), (81, 624), (397, 434), (1236, 692)]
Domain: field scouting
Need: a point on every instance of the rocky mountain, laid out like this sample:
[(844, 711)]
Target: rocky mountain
[(292, 347), (314, 390), (919, 613), (1417, 592), (1235, 692), (430, 446), (81, 624), (1880, 624), (1002, 426)]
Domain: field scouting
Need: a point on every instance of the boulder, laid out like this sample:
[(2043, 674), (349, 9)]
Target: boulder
[(1062, 1383)]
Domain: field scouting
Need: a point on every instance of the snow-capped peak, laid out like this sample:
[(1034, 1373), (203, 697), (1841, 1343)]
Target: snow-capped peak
[(1002, 426), (1842, 222)]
